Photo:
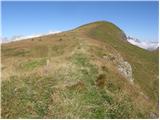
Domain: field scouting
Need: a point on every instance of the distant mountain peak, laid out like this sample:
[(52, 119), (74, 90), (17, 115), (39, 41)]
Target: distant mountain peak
[(143, 44)]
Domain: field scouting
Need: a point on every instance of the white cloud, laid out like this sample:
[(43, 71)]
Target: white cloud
[(53, 32), (3, 39), (21, 37), (144, 45)]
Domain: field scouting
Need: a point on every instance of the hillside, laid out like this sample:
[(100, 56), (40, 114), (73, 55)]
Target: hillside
[(89, 72)]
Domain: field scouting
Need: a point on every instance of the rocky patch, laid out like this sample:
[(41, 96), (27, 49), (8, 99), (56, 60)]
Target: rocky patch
[(123, 67)]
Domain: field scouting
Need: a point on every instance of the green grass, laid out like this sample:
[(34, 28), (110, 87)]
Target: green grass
[(87, 71), (32, 64), (27, 98)]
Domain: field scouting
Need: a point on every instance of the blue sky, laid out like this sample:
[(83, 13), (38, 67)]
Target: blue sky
[(138, 19)]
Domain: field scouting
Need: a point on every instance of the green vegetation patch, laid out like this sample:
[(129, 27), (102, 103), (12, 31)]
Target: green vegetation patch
[(30, 65), (27, 98), (80, 59), (87, 72)]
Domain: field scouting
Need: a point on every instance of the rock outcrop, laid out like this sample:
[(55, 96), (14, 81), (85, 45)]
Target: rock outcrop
[(126, 70), (123, 67)]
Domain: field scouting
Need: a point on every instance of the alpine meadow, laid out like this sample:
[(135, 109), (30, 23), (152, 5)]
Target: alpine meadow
[(88, 72)]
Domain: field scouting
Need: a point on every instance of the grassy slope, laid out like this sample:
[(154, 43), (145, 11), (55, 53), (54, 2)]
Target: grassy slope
[(65, 76), (145, 63)]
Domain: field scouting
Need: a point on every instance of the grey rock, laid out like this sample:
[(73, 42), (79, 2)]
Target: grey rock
[(126, 70), (122, 66)]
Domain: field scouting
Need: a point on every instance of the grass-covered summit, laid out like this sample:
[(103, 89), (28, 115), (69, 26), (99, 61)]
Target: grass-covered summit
[(89, 72)]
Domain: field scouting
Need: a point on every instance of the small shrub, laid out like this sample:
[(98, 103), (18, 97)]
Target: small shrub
[(60, 39), (104, 68), (100, 82)]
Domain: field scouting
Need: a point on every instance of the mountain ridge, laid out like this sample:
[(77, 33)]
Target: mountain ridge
[(145, 45)]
